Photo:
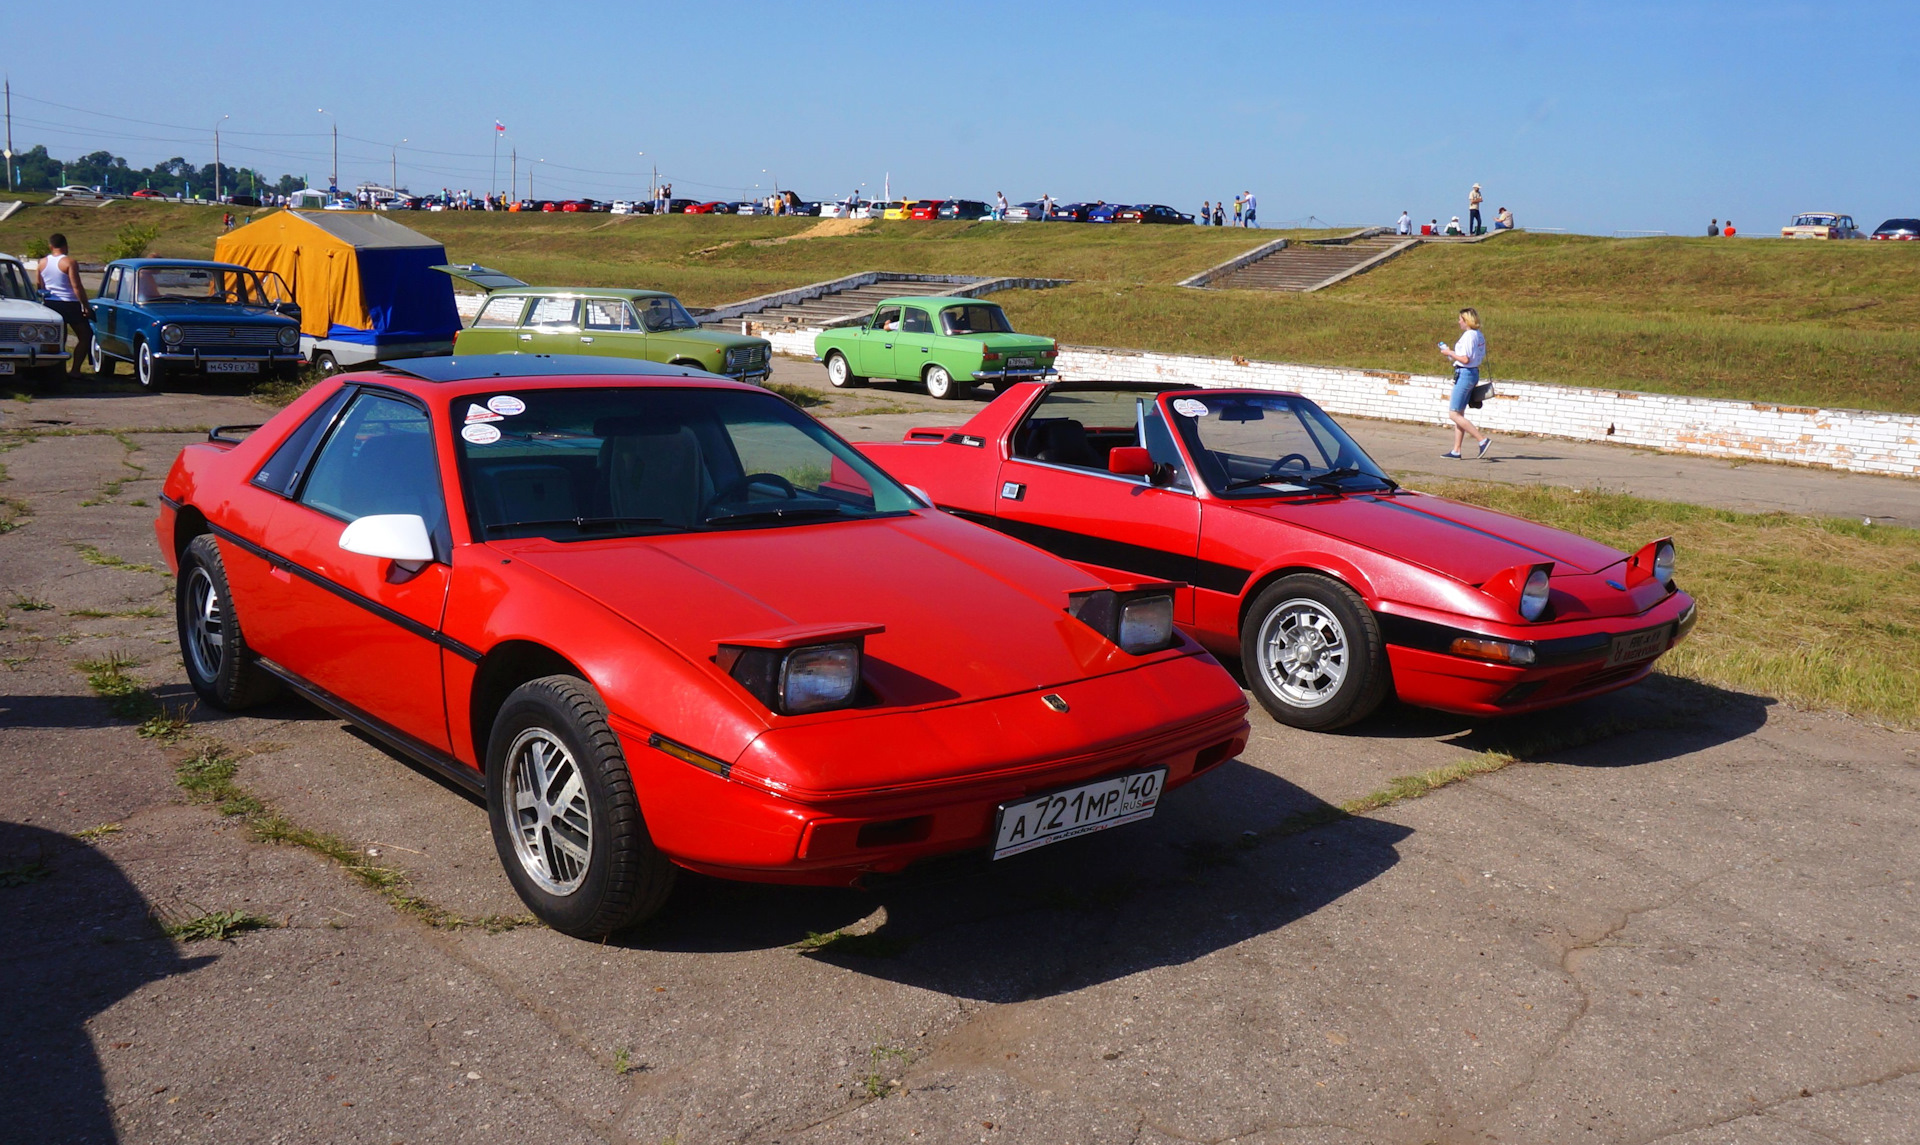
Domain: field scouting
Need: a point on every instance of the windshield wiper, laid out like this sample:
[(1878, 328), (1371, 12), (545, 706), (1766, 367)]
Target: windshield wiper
[(582, 523), (1331, 478), (1328, 480), (794, 513)]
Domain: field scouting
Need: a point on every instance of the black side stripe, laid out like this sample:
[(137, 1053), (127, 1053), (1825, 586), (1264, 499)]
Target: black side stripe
[(439, 761), (1157, 563), (425, 632)]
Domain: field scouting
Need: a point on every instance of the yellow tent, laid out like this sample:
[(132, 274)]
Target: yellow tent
[(357, 276)]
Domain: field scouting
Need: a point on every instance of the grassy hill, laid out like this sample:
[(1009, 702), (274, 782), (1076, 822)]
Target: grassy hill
[(1802, 323)]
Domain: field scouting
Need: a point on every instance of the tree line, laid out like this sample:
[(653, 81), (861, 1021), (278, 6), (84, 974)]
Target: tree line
[(35, 170)]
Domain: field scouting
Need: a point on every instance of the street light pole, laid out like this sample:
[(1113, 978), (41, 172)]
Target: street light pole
[(393, 188), (216, 155)]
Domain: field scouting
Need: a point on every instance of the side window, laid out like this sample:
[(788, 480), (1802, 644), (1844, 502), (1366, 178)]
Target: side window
[(1078, 427), (609, 314), (1160, 444), (887, 318), (916, 321), (281, 473), (110, 285), (379, 459), (552, 312), (500, 312)]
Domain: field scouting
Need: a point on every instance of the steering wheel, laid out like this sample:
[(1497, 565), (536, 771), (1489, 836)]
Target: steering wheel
[(734, 489), (1300, 457)]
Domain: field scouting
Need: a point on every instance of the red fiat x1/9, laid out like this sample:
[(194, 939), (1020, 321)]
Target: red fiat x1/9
[(1334, 586), (660, 619)]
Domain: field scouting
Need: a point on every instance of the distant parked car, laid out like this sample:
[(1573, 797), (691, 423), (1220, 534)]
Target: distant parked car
[(1026, 213), (603, 322), (802, 208), (148, 193), (924, 210), (963, 209), (581, 206), (844, 209), (1898, 230), (402, 203), (682, 206), (75, 191), (175, 316), (1150, 213), (32, 336), (745, 207), (1071, 212), (1821, 225), (945, 344), (712, 208), (243, 200), (1105, 212), (896, 209)]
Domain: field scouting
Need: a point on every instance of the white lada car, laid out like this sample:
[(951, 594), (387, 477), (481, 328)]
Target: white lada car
[(32, 337)]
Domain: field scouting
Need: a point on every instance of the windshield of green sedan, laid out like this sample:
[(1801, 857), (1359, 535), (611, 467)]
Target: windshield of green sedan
[(579, 464), (658, 314), (13, 282), (985, 318), (1262, 444)]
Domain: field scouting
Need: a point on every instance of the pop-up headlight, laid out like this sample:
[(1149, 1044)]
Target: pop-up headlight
[(1654, 561), (1524, 588), (799, 671), (1138, 620)]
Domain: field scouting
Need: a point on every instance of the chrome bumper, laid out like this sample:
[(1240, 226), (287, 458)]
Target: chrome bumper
[(266, 358), (1013, 375), (31, 356)]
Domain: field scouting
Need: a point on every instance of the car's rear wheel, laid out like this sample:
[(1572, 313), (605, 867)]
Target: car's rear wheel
[(219, 664), (566, 821), (840, 373), (150, 371), (943, 385), (1312, 653), (97, 358), (325, 363)]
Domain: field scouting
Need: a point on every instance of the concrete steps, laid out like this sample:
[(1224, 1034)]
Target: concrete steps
[(846, 300), (1311, 265)]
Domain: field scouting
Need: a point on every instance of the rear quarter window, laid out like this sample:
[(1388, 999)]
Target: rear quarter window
[(500, 312)]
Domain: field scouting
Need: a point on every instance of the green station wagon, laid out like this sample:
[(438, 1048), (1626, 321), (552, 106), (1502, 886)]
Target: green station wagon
[(605, 321), (947, 344)]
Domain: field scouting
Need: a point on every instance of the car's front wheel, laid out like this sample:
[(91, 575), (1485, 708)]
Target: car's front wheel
[(1312, 653), (840, 373), (566, 821), (220, 665), (97, 358), (149, 370), (943, 385)]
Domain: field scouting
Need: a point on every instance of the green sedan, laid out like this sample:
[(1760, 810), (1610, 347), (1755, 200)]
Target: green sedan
[(947, 344), (606, 321)]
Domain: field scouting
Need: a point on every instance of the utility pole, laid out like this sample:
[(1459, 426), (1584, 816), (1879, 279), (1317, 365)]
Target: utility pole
[(333, 182), (393, 187), (216, 155), (9, 133), (513, 159)]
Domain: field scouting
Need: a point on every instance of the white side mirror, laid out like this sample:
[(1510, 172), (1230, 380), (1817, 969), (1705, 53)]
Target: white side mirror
[(393, 536)]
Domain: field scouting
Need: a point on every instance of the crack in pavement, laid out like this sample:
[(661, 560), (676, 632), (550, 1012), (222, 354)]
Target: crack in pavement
[(1767, 1108)]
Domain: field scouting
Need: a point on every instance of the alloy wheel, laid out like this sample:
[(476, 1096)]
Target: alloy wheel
[(206, 625), (551, 817), (1303, 652)]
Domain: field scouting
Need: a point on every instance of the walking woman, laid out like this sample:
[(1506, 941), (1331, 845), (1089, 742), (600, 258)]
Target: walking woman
[(1466, 355)]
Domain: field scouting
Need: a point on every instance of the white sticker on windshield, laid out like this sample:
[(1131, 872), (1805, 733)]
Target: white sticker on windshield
[(480, 413), (1187, 407), (480, 433), (506, 405)]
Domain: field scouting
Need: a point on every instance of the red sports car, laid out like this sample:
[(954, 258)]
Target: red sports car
[(1334, 586), (925, 209), (661, 619)]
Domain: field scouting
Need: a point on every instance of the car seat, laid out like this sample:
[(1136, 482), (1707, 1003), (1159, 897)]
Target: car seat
[(1064, 442), (650, 472), (526, 492)]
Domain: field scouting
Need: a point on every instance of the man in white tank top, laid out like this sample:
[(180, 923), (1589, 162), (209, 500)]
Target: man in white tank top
[(60, 278)]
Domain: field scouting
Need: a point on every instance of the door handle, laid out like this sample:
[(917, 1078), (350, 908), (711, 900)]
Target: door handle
[(926, 349), (585, 338), (889, 345), (526, 337)]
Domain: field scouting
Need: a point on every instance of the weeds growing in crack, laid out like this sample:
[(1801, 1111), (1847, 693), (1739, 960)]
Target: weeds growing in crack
[(876, 1084), (96, 833), (208, 777), (147, 612), (220, 925), (94, 556), (109, 678), (111, 489), (26, 603), (20, 874), (873, 944), (169, 724)]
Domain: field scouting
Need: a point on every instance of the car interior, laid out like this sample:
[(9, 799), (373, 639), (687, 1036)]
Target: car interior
[(1082, 428)]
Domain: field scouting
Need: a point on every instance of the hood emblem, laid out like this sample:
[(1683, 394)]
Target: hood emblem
[(1053, 700), (1616, 586)]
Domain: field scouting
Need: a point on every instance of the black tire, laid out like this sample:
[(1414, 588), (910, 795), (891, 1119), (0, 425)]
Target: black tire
[(952, 389), (1324, 664), (222, 670), (624, 878), (148, 370), (840, 373)]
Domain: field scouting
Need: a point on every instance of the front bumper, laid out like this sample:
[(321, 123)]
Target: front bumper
[(1572, 660), (990, 752), (265, 358), (1034, 374), (757, 377), (29, 356)]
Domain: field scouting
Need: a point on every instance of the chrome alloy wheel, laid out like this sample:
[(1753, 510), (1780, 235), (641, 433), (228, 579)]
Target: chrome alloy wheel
[(206, 624), (1303, 652), (552, 821)]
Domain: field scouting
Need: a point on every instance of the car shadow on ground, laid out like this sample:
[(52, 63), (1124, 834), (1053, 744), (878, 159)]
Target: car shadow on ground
[(1190, 882), (79, 937)]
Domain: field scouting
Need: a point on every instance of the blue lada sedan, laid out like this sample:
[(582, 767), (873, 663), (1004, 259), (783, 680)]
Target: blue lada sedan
[(178, 316)]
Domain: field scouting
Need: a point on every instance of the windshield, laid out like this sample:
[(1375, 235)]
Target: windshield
[(578, 464), (981, 318), (658, 314), (13, 281), (1260, 444), (1814, 221), (201, 284)]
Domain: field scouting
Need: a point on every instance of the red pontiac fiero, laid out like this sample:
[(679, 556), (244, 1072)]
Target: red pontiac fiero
[(661, 619), (1333, 585)]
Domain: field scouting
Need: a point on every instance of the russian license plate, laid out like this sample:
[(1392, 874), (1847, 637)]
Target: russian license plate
[(1019, 363), (1076, 811), (1630, 647), (6, 367), (233, 367)]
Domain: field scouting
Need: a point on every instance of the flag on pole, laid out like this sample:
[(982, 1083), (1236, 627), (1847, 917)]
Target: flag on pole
[(499, 127)]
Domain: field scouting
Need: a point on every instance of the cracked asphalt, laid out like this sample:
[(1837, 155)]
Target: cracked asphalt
[(1691, 923)]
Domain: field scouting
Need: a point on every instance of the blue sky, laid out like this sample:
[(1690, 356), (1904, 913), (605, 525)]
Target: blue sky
[(1590, 117)]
